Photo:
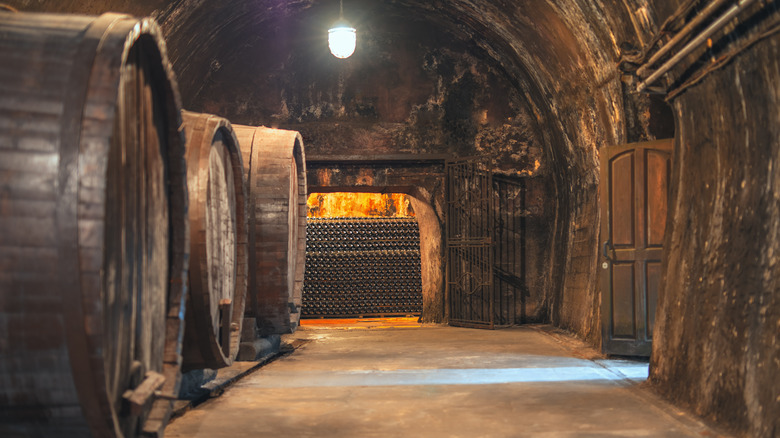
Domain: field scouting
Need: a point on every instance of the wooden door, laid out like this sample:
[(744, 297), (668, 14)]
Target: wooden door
[(634, 199)]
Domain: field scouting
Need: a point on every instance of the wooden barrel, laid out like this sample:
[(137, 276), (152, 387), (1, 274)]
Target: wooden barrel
[(275, 170), (218, 243), (93, 227)]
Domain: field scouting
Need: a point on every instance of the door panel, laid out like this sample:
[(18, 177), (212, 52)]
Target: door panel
[(623, 318), (657, 190), (634, 200), (622, 189)]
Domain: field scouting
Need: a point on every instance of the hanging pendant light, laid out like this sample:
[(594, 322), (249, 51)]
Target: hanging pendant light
[(342, 38)]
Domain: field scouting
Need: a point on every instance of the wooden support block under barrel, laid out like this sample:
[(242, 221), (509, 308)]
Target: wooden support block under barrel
[(93, 227), (275, 170), (218, 230), (140, 397)]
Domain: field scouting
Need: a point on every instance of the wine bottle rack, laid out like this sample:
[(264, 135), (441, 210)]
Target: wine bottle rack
[(362, 267)]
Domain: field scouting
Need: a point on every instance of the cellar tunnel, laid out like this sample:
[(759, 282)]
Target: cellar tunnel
[(540, 93)]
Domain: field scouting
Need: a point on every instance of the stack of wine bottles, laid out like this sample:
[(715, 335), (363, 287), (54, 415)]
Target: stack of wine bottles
[(362, 267)]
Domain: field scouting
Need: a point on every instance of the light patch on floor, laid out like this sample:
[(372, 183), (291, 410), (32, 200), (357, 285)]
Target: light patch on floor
[(470, 376)]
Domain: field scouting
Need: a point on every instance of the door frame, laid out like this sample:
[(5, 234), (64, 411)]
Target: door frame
[(627, 347)]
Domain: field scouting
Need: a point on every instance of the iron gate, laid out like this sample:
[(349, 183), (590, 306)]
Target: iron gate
[(469, 245), (509, 246)]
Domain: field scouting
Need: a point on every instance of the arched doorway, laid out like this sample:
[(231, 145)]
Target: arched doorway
[(362, 256)]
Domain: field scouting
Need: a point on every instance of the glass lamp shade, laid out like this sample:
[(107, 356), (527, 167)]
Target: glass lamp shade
[(342, 41)]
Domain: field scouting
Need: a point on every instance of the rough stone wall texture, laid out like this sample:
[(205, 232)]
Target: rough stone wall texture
[(534, 307), (431, 257), (140, 8), (717, 345)]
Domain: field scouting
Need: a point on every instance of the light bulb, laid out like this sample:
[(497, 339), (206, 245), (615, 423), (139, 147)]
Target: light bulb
[(342, 41)]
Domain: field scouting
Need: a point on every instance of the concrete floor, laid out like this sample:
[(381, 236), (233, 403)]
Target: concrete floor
[(438, 381)]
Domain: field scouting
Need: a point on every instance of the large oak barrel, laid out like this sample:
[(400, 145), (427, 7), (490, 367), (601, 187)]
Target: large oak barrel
[(276, 180), (218, 241), (93, 227)]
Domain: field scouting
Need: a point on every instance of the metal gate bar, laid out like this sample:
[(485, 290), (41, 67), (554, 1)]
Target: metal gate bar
[(509, 248), (469, 245), (470, 283), (486, 245)]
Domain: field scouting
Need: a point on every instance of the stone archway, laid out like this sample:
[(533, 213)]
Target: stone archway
[(422, 178)]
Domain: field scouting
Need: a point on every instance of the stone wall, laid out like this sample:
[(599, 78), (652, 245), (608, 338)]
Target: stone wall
[(717, 345)]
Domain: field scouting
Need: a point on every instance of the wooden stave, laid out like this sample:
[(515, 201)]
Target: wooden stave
[(202, 350), (96, 56), (276, 309)]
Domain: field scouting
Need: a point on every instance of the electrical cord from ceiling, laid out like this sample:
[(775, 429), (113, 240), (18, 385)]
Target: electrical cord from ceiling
[(672, 24)]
